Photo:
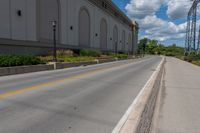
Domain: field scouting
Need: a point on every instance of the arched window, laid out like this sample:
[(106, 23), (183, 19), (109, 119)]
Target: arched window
[(103, 34), (84, 28), (130, 45), (115, 38), (123, 40)]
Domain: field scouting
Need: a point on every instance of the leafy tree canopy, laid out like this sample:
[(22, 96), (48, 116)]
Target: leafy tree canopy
[(149, 46)]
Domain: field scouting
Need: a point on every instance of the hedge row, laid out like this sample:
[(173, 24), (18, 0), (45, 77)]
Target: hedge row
[(18, 60), (192, 57), (120, 56), (88, 52)]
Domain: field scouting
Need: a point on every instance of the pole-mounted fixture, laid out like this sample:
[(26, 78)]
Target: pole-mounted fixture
[(54, 24)]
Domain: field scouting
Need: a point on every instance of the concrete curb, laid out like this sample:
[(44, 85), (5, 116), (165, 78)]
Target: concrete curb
[(138, 117), (155, 118), (69, 65)]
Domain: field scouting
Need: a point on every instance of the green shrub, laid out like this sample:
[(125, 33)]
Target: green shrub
[(120, 56), (62, 53), (78, 59), (110, 53), (46, 58), (196, 62), (88, 52), (18, 60), (170, 54), (192, 57)]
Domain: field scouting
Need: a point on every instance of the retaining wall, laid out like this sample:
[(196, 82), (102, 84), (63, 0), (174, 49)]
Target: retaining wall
[(24, 69), (52, 66)]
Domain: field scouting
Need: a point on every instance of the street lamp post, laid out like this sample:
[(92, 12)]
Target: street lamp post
[(54, 23), (127, 48), (116, 49)]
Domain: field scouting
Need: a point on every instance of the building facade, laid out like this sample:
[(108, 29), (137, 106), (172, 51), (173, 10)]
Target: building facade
[(26, 26)]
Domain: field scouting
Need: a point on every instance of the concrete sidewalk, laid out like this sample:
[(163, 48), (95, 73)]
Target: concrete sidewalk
[(180, 98)]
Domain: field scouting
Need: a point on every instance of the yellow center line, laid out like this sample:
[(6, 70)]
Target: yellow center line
[(43, 85)]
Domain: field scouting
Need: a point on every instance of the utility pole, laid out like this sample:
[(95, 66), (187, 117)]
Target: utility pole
[(198, 44), (144, 49)]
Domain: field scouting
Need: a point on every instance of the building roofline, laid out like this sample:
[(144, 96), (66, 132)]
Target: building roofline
[(120, 11), (132, 22), (115, 11)]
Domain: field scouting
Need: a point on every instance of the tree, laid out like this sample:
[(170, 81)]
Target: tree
[(152, 45), (174, 50), (142, 46), (160, 50)]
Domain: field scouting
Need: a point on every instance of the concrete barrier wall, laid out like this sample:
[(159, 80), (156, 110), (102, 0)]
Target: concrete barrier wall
[(68, 65), (24, 69), (52, 66), (107, 60)]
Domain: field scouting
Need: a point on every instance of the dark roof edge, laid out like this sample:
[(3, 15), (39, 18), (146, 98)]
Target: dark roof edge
[(133, 22)]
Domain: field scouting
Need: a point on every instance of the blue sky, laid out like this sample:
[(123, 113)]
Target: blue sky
[(121, 4), (163, 20)]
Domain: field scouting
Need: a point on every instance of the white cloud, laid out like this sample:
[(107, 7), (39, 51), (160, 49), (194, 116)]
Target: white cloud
[(150, 21), (141, 8), (162, 30), (144, 12), (178, 9)]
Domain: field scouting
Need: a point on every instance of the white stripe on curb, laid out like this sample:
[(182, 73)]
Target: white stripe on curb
[(123, 120)]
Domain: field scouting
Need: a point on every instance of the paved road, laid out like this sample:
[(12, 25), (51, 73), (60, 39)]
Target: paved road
[(89, 99), (180, 103)]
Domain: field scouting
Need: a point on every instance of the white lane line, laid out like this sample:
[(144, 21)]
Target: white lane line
[(132, 106)]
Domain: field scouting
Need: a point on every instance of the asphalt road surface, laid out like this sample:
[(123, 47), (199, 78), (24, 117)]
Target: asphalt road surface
[(88, 99)]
